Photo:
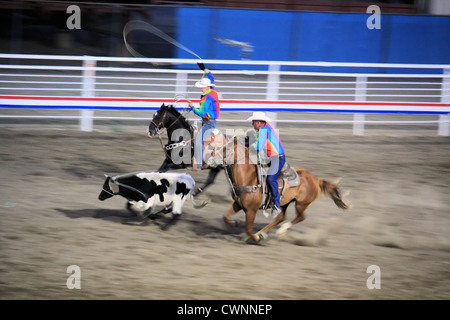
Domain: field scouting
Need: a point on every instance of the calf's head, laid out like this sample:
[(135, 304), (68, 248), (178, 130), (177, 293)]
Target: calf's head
[(109, 189)]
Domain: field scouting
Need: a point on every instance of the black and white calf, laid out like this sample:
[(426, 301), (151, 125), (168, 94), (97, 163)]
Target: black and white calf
[(151, 192)]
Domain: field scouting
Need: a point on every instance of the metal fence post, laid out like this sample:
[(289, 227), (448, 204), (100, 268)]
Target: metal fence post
[(273, 116), (181, 83), (444, 124), (273, 82), (360, 95), (88, 90)]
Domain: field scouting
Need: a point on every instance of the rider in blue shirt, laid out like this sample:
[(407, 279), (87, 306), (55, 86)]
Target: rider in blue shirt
[(269, 141)]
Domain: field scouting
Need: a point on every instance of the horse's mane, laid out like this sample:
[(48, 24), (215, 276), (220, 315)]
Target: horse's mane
[(178, 115)]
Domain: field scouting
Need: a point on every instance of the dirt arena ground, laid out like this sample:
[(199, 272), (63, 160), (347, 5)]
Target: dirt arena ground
[(51, 219)]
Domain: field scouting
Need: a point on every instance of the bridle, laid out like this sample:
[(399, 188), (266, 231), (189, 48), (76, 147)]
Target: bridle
[(161, 123), (228, 173)]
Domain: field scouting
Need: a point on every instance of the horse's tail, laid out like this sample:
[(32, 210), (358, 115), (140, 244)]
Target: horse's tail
[(196, 205), (332, 190)]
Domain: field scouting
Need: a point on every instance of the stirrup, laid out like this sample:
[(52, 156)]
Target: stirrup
[(277, 211)]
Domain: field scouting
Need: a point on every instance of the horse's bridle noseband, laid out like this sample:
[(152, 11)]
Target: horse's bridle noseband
[(161, 123)]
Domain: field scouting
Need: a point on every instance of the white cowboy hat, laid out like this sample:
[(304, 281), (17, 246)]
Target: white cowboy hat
[(204, 82), (258, 115)]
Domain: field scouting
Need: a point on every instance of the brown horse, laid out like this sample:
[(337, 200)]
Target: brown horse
[(247, 191)]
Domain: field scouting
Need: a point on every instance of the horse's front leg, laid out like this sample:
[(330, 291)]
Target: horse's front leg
[(250, 215), (232, 210), (262, 234)]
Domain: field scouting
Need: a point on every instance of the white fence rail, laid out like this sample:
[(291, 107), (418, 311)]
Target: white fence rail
[(89, 83)]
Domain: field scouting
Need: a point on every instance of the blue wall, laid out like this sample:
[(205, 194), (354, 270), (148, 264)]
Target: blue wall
[(310, 36)]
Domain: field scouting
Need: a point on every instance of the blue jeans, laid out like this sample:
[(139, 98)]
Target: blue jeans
[(276, 164), (204, 132)]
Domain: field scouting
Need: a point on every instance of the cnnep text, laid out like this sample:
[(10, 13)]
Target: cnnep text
[(246, 309)]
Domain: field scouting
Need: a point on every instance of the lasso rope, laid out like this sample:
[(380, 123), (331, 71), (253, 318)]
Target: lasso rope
[(136, 25), (141, 25)]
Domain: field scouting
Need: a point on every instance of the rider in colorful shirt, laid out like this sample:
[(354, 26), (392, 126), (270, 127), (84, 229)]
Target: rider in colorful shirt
[(209, 112), (269, 141)]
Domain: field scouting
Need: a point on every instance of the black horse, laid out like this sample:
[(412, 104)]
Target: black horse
[(180, 147)]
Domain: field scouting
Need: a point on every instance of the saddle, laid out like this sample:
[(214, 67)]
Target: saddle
[(287, 178)]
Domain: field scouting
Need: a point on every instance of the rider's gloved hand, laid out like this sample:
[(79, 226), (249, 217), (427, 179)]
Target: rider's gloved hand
[(201, 66)]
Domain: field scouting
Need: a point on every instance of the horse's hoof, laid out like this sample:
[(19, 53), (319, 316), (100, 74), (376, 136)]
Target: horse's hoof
[(259, 238), (231, 223), (283, 228), (197, 192), (251, 240), (262, 236)]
